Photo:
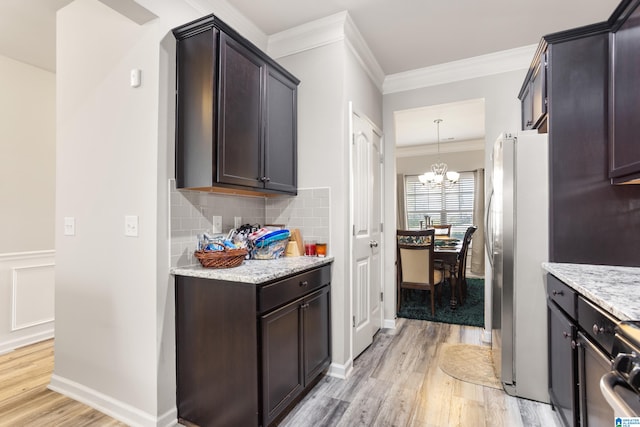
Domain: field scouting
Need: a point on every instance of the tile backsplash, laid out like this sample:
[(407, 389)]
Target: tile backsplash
[(192, 212), (309, 212)]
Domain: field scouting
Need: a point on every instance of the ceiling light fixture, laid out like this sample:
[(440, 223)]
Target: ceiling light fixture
[(439, 175)]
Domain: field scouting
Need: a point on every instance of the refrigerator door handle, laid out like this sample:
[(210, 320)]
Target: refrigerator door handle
[(488, 232)]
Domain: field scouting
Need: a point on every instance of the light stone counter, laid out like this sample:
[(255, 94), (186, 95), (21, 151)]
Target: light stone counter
[(255, 271), (615, 289)]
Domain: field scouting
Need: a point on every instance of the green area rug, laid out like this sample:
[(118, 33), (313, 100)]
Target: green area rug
[(470, 314)]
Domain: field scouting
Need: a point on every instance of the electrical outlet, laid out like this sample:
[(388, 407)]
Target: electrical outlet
[(237, 221), (217, 224), (131, 225)]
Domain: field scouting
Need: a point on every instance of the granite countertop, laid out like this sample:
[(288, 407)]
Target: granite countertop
[(254, 271), (615, 289)]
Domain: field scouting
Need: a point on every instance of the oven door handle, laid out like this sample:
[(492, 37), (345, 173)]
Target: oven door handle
[(620, 408)]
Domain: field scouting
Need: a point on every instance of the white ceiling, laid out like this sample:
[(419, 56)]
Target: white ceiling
[(402, 34), (410, 34), (461, 121)]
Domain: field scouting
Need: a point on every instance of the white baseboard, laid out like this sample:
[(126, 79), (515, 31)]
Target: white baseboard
[(341, 371), (7, 346), (389, 324), (114, 408), (486, 336)]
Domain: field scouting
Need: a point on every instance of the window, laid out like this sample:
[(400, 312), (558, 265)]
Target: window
[(453, 205)]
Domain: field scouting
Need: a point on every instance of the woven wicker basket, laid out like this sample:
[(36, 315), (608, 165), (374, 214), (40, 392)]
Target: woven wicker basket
[(221, 259)]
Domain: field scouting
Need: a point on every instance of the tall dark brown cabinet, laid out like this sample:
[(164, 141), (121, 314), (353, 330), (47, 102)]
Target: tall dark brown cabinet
[(236, 113), (589, 218)]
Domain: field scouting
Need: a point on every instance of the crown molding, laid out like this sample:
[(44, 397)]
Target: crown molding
[(321, 32), (432, 149), (464, 69), (307, 36), (231, 16), (364, 55)]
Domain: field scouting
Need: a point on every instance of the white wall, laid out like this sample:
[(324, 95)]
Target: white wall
[(502, 113), (27, 165), (115, 346), (322, 162), (27, 174), (115, 338), (331, 77)]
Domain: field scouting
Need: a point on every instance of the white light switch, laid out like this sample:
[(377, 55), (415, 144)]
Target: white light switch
[(237, 221), (136, 77), (69, 226), (217, 224), (131, 225)]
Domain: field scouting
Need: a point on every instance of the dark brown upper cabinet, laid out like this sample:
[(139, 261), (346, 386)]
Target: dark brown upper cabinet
[(533, 95), (236, 114), (624, 96)]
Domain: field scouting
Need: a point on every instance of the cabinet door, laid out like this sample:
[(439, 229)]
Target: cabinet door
[(539, 93), (527, 108), (534, 97), (280, 161), (317, 336), (282, 377), (562, 366), (240, 107), (624, 126), (196, 74)]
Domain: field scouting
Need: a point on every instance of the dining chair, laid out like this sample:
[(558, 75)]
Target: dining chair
[(459, 271), (415, 264), (462, 261), (442, 229)]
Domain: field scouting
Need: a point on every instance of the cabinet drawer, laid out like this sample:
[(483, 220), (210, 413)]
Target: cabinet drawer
[(597, 324), (278, 293), (562, 295)]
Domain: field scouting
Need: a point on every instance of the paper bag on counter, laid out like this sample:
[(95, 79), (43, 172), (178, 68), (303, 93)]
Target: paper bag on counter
[(292, 249), (297, 238)]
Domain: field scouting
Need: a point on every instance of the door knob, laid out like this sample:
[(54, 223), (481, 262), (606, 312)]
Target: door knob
[(373, 244)]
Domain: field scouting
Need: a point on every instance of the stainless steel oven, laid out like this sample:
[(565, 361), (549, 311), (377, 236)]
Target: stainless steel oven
[(594, 343), (621, 385)]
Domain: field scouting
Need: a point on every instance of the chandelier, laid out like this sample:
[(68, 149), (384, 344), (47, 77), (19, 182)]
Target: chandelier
[(439, 175)]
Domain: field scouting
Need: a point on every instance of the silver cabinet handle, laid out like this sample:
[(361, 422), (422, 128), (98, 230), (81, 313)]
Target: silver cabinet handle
[(373, 244)]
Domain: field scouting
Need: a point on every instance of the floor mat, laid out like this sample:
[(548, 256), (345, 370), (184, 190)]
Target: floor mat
[(470, 363)]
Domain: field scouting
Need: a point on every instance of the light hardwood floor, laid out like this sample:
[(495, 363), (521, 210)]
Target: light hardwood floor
[(396, 382), (25, 399)]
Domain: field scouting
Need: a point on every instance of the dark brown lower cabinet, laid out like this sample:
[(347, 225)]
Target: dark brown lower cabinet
[(562, 365), (580, 341), (294, 350), (245, 352)]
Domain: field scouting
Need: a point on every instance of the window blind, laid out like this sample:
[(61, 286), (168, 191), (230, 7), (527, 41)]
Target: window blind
[(453, 205)]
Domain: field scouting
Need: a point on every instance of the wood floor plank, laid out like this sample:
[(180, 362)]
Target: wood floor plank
[(398, 382), (25, 399)]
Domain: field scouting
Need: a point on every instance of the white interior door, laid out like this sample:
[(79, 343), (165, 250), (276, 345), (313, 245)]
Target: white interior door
[(366, 238)]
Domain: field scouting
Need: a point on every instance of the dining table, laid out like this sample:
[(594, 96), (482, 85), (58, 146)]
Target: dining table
[(446, 251)]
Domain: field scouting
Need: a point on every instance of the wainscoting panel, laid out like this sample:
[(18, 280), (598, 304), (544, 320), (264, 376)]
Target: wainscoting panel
[(27, 284), (33, 295)]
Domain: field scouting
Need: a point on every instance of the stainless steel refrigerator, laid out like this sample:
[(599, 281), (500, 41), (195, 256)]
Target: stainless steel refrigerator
[(517, 244)]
